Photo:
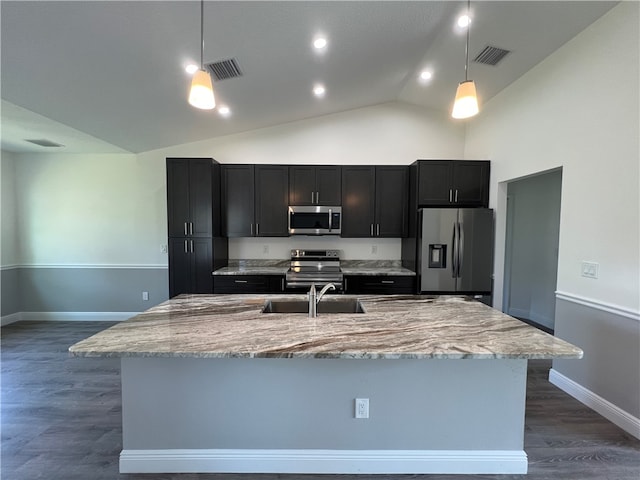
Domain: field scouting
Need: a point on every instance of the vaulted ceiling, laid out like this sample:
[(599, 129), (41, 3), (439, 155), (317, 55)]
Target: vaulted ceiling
[(109, 76)]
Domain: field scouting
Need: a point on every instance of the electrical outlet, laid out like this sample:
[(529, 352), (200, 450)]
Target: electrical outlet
[(145, 296), (265, 249), (590, 269), (374, 249), (164, 249), (362, 408)]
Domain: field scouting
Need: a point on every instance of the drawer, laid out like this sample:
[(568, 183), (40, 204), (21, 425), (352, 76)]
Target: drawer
[(248, 283), (380, 284)]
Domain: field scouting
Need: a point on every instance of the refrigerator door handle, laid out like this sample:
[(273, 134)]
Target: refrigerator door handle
[(454, 252), (460, 248)]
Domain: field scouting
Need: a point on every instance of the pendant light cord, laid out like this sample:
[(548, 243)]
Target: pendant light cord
[(466, 49), (202, 35)]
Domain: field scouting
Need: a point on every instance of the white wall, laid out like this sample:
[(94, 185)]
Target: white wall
[(577, 109), (9, 245), (101, 209)]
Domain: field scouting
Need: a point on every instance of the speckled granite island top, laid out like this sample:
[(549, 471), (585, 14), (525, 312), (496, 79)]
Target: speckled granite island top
[(393, 327)]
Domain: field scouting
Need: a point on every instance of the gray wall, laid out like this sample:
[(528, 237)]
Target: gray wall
[(82, 289), (611, 355), (531, 263)]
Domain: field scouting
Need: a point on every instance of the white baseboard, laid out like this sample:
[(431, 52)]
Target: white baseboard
[(77, 316), (608, 410), (7, 319), (324, 461)]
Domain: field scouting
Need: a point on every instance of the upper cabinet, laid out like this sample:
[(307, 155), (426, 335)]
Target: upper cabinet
[(453, 183), (315, 185), (374, 201), (255, 200), (193, 204)]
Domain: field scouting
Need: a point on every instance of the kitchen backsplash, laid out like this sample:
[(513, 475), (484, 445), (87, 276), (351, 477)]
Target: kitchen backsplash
[(280, 248)]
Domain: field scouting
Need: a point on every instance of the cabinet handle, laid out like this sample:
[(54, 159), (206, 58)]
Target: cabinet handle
[(252, 229), (186, 246), (372, 229), (186, 232), (450, 196), (240, 281), (282, 284), (191, 246), (312, 197), (345, 284), (190, 228), (388, 281), (317, 197), (456, 195), (257, 225), (378, 230)]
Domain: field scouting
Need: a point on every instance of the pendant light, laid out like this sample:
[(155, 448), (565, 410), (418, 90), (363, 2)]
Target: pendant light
[(201, 93), (466, 102)]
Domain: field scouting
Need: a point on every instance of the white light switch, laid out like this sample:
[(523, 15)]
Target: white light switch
[(590, 269)]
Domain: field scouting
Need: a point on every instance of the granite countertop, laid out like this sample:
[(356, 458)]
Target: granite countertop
[(394, 327), (348, 267)]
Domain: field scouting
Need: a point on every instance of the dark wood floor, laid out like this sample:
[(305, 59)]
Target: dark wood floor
[(61, 420)]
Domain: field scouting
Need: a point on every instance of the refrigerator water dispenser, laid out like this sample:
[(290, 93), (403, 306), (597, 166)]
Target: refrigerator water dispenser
[(437, 255)]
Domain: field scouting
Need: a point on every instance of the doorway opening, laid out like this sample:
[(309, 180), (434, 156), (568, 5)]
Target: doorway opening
[(531, 248)]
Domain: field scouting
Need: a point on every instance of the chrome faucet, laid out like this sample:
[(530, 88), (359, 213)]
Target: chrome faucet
[(314, 298)]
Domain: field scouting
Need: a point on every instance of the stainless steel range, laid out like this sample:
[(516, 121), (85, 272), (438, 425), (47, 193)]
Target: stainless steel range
[(314, 266)]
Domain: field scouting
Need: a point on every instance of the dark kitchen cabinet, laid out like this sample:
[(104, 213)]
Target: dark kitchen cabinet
[(457, 183), (195, 246), (191, 265), (248, 283), (315, 185), (374, 201), (193, 197), (255, 199), (380, 284)]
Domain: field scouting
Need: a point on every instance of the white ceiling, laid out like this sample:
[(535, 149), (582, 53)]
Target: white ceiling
[(109, 76)]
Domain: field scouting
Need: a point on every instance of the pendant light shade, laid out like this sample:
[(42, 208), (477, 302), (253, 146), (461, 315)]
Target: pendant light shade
[(201, 93), (466, 103)]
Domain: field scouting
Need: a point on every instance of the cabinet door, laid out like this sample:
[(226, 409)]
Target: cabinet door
[(435, 179), (238, 200), (358, 201), (177, 197), (271, 200), (328, 185), (471, 183), (190, 265), (200, 198), (392, 197), (302, 185)]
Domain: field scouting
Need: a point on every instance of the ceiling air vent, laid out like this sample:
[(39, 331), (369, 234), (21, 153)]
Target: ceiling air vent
[(43, 142), (225, 69), (491, 55)]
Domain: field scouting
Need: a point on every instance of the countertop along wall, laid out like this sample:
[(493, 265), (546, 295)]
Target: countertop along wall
[(579, 110)]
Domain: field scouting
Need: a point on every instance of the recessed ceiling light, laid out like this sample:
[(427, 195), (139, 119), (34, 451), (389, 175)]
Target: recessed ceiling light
[(425, 75), (318, 90), (319, 43), (191, 68), (464, 21), (224, 110)]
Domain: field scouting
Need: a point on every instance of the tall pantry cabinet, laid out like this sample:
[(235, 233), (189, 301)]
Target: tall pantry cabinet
[(196, 246)]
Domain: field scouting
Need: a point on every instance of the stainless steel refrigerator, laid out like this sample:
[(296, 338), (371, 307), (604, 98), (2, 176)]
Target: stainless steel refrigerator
[(455, 250)]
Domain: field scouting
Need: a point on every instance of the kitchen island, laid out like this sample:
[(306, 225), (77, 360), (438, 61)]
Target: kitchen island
[(212, 384)]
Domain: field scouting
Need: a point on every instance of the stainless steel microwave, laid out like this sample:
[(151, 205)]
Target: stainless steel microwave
[(315, 220)]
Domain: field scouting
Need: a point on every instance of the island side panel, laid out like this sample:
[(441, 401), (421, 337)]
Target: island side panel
[(241, 404)]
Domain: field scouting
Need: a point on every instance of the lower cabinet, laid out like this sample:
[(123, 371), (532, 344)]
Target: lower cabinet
[(190, 265), (380, 284), (248, 283)]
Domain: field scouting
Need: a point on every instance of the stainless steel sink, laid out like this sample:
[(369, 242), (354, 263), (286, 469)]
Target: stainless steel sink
[(348, 305)]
